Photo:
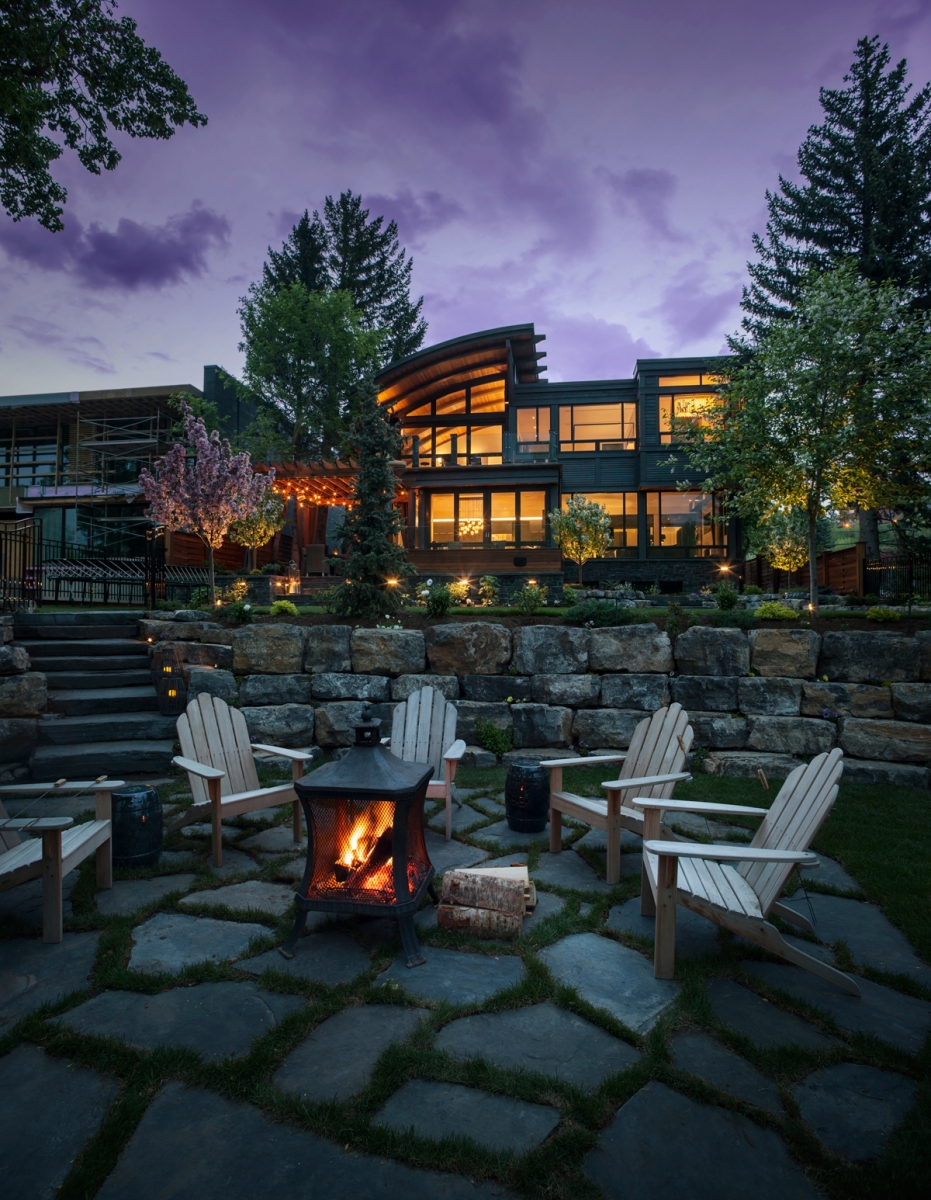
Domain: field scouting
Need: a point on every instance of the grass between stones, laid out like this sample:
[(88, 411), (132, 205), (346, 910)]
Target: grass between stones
[(879, 836)]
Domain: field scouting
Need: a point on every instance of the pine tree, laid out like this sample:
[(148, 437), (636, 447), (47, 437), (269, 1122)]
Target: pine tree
[(866, 193), (346, 251), (375, 562)]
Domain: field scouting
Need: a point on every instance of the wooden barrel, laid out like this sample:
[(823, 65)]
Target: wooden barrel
[(527, 796), (137, 826)]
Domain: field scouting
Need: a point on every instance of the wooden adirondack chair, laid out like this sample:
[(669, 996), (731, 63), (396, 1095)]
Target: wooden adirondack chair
[(60, 848), (652, 766), (217, 755), (738, 887), (423, 729)]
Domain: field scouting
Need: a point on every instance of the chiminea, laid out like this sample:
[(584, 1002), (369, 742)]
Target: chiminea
[(365, 846)]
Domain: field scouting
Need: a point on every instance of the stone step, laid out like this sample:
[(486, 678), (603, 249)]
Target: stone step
[(77, 617), (85, 647), (57, 632), (75, 680), (85, 702), (104, 663), (106, 727), (115, 759)]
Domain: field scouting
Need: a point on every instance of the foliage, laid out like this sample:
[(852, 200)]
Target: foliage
[(735, 618), (677, 620), (752, 589), (603, 613), (374, 561), (865, 190), (273, 568), (327, 599), (725, 597), (489, 590), (570, 593), (496, 741), (437, 598), (345, 251), (529, 598), (283, 608), (202, 488), (880, 613), (582, 530), (459, 591), (200, 597), (68, 69), (772, 610), (239, 613), (782, 538), (261, 525), (237, 590), (306, 355), (826, 411)]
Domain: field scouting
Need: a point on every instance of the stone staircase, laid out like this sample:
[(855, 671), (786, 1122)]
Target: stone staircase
[(103, 716)]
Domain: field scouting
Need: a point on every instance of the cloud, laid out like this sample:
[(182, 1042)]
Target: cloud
[(415, 217), (692, 306), (47, 336), (131, 258), (646, 192)]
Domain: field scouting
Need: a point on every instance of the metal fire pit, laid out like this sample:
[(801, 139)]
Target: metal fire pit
[(365, 846)]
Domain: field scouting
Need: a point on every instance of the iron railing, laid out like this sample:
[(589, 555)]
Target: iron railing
[(897, 578)]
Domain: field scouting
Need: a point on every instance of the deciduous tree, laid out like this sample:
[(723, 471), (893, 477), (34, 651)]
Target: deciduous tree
[(257, 529), (582, 530)]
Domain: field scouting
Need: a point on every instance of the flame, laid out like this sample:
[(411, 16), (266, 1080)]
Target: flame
[(362, 841)]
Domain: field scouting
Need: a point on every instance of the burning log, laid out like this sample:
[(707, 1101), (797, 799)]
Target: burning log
[(483, 903)]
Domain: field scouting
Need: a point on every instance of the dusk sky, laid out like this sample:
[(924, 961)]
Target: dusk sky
[(595, 166)]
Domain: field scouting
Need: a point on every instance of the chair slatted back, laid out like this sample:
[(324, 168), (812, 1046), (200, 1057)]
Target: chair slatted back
[(794, 818), (215, 735), (8, 838), (423, 727), (659, 747)]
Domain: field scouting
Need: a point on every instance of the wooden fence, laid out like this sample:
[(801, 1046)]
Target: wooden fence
[(842, 570)]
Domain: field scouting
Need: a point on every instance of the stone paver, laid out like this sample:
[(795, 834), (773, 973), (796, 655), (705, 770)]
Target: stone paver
[(293, 869), (694, 934), (203, 829), (597, 839), (33, 973), (259, 1158), (460, 818), (438, 1110), (501, 834), (541, 1038), (172, 941), (871, 937), (215, 1019), (493, 807), (49, 1108), (903, 1021), (611, 977), (762, 1022), (453, 976), (336, 1060), (831, 874), (663, 1144), (277, 840), (547, 905), (515, 858), (235, 862), (254, 895), (567, 869), (327, 956), (178, 858), (854, 1109), (447, 855), (701, 1055), (127, 895), (23, 903)]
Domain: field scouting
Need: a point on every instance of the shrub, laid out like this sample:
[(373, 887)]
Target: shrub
[(529, 598), (489, 590), (460, 591), (273, 569), (752, 589), (496, 741), (772, 610), (327, 598), (239, 613), (602, 613), (725, 597), (238, 590), (879, 613), (737, 618), (438, 599), (200, 597), (283, 608), (256, 571), (677, 620), (166, 605)]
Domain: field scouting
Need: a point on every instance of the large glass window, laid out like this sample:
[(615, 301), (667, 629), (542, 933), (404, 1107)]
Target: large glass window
[(532, 517), (455, 445), (487, 397), (684, 525), (29, 456), (471, 524), (622, 509), (598, 427), (533, 430), (503, 517), (488, 518), (442, 518), (691, 409), (484, 444)]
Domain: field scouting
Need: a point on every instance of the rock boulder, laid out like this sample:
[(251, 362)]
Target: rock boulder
[(336, 722), (911, 701), (605, 728), (288, 725), (867, 657), (637, 649), (744, 764), (550, 650), (541, 725), (718, 731), (886, 774), (275, 689), (791, 735), (215, 681), (846, 699), (337, 686), (387, 651), (328, 649), (574, 691), (472, 648), (789, 653), (406, 685), (706, 693), (471, 711), (491, 689), (702, 650), (14, 660), (269, 650), (769, 696), (646, 692), (886, 741), (23, 695), (18, 738)]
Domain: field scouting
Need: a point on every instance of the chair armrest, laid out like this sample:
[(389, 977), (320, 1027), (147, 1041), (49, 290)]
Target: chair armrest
[(294, 755), (456, 751), (729, 853), (38, 824), (62, 785), (582, 762), (623, 785), (697, 806), (385, 741), (196, 768)]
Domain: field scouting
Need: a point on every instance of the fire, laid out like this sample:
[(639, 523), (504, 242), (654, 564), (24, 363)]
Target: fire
[(366, 861)]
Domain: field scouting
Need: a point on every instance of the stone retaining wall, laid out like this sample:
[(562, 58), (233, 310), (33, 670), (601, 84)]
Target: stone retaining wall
[(766, 699)]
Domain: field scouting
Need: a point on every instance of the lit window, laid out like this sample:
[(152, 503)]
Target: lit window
[(484, 444), (487, 397), (533, 430), (532, 517), (598, 427), (684, 525), (442, 517), (503, 517), (691, 409), (471, 524), (622, 509), (451, 405)]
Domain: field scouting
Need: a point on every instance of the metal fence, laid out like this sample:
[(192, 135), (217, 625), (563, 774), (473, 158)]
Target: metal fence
[(898, 578)]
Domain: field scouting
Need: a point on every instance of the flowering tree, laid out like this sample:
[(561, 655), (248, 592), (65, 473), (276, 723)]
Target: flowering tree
[(202, 487), (582, 530)]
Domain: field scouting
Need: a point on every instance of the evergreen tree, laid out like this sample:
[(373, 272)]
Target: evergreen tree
[(866, 193), (345, 251), (375, 562)]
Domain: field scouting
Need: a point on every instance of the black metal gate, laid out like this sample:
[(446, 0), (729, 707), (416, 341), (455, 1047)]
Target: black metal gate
[(20, 563), (896, 578)]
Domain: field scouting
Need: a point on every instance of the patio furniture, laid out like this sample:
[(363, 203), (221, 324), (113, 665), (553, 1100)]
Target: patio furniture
[(737, 887), (62, 846), (652, 766), (423, 729), (217, 755)]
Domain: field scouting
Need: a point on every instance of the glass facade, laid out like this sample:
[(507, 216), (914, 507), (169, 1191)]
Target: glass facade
[(684, 525), (691, 408), (494, 519), (623, 509), (597, 427)]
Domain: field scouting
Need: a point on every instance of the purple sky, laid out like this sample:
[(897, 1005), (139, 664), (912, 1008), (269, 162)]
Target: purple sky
[(594, 166)]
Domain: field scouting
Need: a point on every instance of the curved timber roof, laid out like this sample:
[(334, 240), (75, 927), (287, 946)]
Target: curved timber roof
[(478, 357)]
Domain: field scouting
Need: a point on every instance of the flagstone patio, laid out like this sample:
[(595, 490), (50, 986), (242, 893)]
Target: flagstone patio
[(166, 1048)]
